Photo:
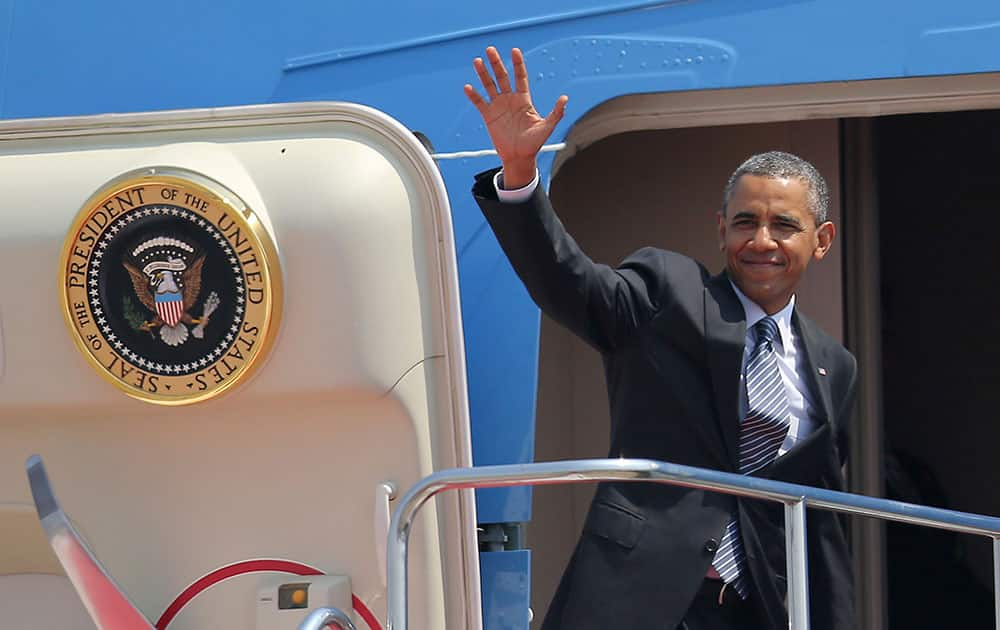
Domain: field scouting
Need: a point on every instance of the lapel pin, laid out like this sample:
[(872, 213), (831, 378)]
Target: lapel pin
[(822, 371)]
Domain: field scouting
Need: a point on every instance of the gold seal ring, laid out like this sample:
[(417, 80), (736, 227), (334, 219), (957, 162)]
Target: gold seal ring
[(170, 285)]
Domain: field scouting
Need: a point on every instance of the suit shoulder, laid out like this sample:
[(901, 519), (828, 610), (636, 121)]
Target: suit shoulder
[(670, 279), (671, 264)]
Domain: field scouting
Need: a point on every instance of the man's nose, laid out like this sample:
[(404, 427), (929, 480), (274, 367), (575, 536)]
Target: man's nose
[(762, 239)]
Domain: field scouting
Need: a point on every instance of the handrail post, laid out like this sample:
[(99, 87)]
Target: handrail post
[(396, 574), (996, 580), (797, 560)]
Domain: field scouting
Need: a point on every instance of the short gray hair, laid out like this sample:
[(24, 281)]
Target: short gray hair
[(781, 165)]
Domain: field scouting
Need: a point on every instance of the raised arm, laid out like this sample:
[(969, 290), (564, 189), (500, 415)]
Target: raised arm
[(599, 303), (515, 127)]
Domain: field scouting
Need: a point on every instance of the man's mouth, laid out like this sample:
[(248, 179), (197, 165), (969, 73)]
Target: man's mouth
[(761, 263)]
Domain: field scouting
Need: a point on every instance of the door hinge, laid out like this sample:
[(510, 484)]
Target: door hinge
[(500, 536)]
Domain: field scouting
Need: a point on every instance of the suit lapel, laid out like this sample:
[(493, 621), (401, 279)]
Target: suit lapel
[(815, 364), (725, 335)]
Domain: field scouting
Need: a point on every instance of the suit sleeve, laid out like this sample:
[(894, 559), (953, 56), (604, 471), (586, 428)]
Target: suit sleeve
[(601, 304)]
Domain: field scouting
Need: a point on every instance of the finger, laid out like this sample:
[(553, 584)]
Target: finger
[(474, 97), (484, 77), (520, 71), (503, 80), (557, 112)]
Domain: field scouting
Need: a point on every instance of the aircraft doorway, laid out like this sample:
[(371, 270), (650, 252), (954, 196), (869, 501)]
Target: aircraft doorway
[(938, 195), (933, 191)]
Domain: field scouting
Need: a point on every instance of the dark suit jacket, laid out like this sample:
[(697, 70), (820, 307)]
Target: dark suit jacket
[(672, 339)]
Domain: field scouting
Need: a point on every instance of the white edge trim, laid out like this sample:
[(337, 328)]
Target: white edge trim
[(842, 99)]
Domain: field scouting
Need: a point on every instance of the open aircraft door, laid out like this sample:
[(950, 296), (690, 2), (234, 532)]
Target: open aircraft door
[(254, 341)]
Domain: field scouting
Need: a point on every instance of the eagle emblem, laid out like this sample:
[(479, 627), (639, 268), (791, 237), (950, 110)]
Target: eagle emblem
[(166, 277), (144, 266)]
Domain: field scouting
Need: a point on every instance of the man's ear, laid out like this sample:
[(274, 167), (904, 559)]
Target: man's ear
[(722, 231), (824, 239)]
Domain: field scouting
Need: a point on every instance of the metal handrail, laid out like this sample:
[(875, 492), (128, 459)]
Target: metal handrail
[(794, 497)]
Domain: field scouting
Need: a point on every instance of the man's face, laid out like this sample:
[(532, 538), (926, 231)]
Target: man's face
[(768, 236)]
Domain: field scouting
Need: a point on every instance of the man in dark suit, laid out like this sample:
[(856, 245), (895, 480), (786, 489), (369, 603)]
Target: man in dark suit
[(717, 371)]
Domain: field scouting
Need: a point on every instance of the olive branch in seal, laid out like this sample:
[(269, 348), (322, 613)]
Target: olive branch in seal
[(134, 318)]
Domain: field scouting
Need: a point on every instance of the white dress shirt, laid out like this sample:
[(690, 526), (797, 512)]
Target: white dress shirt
[(787, 350), (791, 365), (518, 194)]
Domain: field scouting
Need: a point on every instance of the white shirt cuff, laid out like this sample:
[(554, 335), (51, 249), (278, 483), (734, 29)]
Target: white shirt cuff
[(517, 195)]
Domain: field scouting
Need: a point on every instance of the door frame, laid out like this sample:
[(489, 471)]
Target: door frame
[(855, 103)]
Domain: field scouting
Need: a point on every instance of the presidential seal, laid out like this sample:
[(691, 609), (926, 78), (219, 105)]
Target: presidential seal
[(170, 286)]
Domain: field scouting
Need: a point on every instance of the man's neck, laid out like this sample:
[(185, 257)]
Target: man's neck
[(750, 305)]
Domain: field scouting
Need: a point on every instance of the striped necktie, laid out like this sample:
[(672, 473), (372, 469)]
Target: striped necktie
[(762, 432)]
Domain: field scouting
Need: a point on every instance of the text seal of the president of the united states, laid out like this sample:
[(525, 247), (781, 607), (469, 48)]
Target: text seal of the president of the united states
[(170, 286)]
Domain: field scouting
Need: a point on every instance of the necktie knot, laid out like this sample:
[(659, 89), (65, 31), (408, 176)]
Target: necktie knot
[(766, 330)]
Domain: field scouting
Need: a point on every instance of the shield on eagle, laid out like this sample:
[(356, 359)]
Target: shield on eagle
[(170, 307)]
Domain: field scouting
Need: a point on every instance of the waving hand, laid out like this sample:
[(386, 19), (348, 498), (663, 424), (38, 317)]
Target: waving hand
[(516, 129)]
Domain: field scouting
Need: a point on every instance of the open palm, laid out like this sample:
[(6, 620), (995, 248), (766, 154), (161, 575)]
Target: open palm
[(516, 129)]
